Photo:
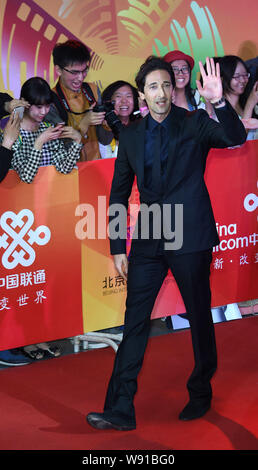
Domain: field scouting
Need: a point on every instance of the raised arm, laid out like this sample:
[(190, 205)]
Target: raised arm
[(211, 90), (251, 102), (229, 131)]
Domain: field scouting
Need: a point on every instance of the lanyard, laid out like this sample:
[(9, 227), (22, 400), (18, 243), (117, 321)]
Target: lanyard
[(86, 91)]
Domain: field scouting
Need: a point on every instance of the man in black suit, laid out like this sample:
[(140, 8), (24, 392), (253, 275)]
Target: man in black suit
[(167, 152)]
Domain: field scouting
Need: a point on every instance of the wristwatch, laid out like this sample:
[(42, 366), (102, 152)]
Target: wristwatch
[(219, 102)]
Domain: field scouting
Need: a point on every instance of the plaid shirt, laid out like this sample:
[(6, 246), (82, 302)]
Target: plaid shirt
[(27, 160)]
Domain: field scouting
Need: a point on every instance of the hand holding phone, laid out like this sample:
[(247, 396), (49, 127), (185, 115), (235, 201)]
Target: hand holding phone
[(19, 110)]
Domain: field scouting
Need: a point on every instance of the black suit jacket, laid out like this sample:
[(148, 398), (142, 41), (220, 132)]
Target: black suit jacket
[(192, 135)]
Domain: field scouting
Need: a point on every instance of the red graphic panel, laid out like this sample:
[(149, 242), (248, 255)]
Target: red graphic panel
[(232, 184), (40, 259)]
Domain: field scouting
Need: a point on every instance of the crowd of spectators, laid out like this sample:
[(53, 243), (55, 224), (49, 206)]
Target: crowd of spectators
[(76, 122)]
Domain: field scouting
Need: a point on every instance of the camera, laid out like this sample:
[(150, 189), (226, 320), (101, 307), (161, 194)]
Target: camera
[(112, 119)]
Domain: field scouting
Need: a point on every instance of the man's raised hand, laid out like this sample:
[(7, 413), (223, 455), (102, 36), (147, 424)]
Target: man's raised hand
[(211, 90)]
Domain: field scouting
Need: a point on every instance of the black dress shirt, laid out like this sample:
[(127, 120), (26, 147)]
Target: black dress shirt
[(150, 136)]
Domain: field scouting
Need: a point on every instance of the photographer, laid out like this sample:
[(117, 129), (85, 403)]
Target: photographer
[(120, 100), (74, 99)]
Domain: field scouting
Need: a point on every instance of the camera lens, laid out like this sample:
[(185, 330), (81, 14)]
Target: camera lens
[(112, 119), (99, 108)]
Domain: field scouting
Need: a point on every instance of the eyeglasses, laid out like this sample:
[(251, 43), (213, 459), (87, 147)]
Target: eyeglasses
[(77, 72), (245, 76), (184, 70)]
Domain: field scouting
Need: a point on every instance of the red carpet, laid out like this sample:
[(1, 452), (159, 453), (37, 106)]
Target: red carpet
[(43, 405)]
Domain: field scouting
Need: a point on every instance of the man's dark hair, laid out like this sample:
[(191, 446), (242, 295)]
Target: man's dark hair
[(70, 52), (36, 91), (151, 64)]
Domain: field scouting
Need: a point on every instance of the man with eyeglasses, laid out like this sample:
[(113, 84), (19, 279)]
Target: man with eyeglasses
[(74, 98)]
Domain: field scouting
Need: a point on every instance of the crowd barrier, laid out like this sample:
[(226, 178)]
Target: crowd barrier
[(57, 277)]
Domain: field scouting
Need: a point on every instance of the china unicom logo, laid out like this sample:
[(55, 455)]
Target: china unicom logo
[(251, 202), (15, 227)]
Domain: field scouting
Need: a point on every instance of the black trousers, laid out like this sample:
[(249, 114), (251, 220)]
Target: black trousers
[(145, 277)]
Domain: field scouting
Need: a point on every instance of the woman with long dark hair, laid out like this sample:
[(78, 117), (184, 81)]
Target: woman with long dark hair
[(235, 81)]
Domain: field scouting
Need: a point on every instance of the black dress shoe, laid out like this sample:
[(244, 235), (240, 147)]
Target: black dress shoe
[(102, 421), (194, 410)]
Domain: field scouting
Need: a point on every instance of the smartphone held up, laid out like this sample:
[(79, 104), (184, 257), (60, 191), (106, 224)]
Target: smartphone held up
[(19, 110)]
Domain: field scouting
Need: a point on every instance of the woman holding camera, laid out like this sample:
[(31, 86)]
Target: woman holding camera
[(124, 97)]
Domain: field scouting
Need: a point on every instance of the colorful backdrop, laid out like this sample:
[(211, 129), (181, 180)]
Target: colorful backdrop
[(40, 276), (120, 34)]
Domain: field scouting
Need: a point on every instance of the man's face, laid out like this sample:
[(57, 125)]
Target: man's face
[(72, 75), (158, 94)]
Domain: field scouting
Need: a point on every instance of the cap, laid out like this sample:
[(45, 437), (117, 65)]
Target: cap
[(178, 55)]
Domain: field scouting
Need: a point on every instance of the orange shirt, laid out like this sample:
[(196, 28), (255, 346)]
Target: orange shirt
[(78, 103)]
